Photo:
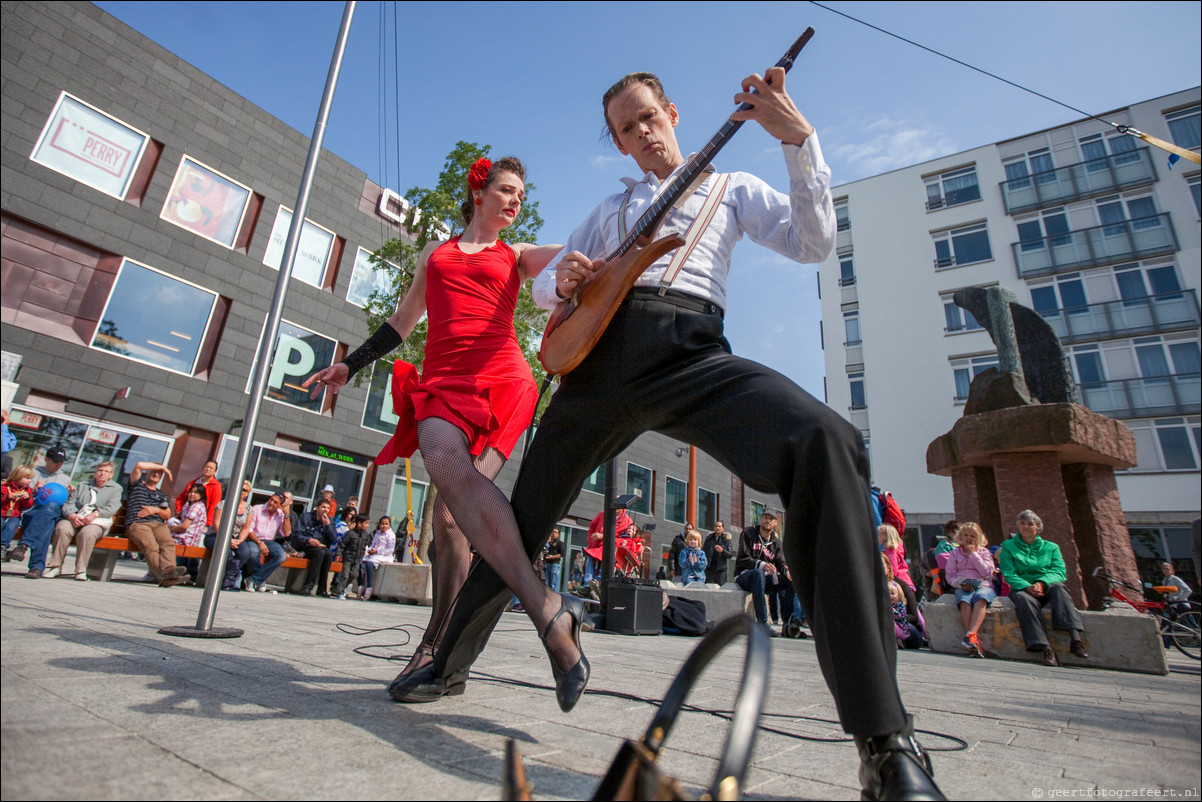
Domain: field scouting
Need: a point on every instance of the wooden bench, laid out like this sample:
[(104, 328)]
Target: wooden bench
[(108, 549)]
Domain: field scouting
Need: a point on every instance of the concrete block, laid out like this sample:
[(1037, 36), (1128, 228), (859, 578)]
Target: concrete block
[(1120, 639), (720, 601), (405, 582)]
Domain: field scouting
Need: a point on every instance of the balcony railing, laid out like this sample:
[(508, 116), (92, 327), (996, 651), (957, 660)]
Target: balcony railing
[(1153, 397), (1094, 247), (1077, 181), (1133, 316)]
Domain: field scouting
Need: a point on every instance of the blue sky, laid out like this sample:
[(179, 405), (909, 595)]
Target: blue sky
[(527, 78)]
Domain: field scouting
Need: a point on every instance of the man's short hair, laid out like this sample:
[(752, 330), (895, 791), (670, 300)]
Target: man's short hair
[(278, 495), (362, 519), (105, 464)]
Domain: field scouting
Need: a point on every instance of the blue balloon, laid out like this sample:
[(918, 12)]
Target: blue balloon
[(52, 493)]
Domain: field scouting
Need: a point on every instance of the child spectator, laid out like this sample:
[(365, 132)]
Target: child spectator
[(907, 622), (692, 559), (891, 547), (970, 572), (381, 550), (189, 528), (17, 497)]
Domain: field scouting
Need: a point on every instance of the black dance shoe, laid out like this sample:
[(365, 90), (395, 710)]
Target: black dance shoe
[(570, 684), (424, 685), (896, 767)]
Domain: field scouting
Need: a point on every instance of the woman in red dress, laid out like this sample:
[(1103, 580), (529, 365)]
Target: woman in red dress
[(473, 401)]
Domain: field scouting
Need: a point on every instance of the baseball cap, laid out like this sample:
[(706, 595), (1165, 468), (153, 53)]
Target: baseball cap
[(56, 455), (328, 489), (766, 513)]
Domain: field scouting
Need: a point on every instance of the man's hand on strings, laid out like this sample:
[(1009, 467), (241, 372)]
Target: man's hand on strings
[(574, 269), (773, 108)]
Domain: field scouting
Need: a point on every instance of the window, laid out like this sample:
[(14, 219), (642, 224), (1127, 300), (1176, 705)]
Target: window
[(1094, 150), (965, 370), (595, 483), (272, 470), (841, 219), (207, 203), (156, 319), (1067, 293), (378, 411), (1114, 212), (1037, 163), (757, 509), (962, 246), (1159, 358), (298, 354), (367, 278), (1051, 227), (85, 144), (851, 327), (707, 509), (856, 384), (958, 319), (87, 442), (1088, 364), (952, 188), (1135, 282), (398, 503), (639, 482), (1194, 182), (1167, 444), (847, 271), (312, 252), (676, 501), (1184, 127)]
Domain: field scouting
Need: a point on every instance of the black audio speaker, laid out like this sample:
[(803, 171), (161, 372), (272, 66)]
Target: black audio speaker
[(634, 609)]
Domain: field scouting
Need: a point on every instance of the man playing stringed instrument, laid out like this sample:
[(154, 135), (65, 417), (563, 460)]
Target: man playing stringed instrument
[(664, 365)]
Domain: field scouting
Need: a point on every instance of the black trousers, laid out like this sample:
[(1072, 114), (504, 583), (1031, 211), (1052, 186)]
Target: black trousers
[(664, 365), (319, 566)]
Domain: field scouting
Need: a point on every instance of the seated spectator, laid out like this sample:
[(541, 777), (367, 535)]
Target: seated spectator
[(760, 567), (291, 518), (190, 527), (970, 572), (1171, 579), (354, 544), (907, 620), (595, 543), (259, 540), (934, 580), (38, 522), (692, 559), (17, 498), (718, 550), (146, 512), (1034, 569), (8, 441), (892, 547), (383, 545), (87, 517), (210, 492), (233, 565), (313, 537)]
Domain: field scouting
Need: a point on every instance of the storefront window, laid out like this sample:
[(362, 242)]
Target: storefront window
[(367, 278), (638, 482), (312, 252), (274, 470), (299, 353), (84, 143), (398, 503), (377, 411), (86, 443), (206, 203)]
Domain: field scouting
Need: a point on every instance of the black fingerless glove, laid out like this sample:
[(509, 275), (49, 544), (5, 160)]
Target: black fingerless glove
[(385, 339)]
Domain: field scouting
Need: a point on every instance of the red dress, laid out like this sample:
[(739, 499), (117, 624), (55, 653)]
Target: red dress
[(474, 374)]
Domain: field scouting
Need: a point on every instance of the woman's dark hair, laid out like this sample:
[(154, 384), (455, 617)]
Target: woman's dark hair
[(505, 164), (647, 79), (362, 519)]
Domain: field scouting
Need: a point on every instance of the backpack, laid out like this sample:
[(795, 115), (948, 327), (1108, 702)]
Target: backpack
[(892, 513)]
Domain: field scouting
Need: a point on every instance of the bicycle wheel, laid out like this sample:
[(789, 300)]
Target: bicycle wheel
[(1186, 632)]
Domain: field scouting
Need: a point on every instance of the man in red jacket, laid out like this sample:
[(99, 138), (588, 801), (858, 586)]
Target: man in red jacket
[(212, 491)]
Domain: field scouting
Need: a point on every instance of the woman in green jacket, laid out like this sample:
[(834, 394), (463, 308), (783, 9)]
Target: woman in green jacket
[(1034, 569)]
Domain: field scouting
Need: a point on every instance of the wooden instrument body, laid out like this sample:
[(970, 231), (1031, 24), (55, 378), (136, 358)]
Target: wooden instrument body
[(579, 322)]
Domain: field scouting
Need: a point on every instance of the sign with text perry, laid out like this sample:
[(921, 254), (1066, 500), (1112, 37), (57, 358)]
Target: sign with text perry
[(299, 353), (312, 252), (84, 143)]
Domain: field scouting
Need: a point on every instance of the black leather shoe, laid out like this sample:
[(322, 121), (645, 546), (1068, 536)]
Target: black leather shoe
[(570, 684), (1078, 649), (424, 685), (1049, 657), (896, 767)]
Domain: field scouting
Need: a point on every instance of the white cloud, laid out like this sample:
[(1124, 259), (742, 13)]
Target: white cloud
[(858, 148), (603, 162)]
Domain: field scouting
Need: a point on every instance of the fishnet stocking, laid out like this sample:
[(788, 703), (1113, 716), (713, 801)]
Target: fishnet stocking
[(485, 519)]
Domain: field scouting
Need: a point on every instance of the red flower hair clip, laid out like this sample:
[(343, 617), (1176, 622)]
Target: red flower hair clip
[(477, 177)]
